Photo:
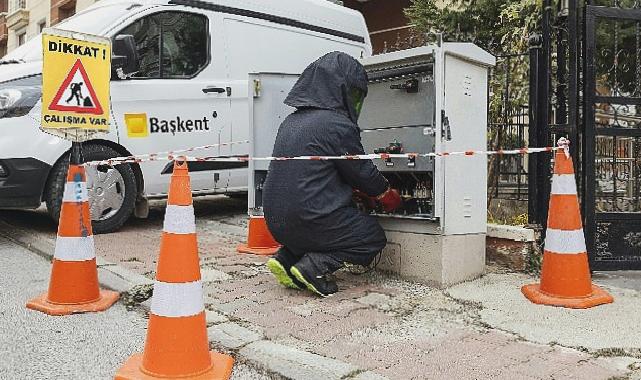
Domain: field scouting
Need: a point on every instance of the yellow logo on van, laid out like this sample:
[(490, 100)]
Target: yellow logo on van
[(136, 125)]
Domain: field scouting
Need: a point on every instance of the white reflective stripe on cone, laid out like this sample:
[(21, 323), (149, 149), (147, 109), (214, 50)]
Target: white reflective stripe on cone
[(75, 192), (180, 220), (177, 299), (565, 242), (563, 184), (74, 248)]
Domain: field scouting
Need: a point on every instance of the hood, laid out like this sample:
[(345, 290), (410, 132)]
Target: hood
[(326, 83), (11, 71), (31, 51)]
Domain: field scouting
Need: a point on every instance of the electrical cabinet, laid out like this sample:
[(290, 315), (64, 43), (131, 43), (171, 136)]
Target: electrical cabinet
[(431, 99), (427, 100)]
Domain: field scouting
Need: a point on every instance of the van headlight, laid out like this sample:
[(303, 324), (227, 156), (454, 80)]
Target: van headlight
[(16, 102)]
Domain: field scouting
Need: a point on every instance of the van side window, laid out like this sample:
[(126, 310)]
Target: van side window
[(146, 32), (179, 40)]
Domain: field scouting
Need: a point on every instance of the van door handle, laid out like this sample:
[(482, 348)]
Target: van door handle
[(217, 90), (209, 90)]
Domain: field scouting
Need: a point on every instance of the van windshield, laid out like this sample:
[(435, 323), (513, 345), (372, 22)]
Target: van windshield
[(94, 20)]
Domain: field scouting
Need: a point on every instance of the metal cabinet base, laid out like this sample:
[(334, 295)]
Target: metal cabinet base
[(431, 258)]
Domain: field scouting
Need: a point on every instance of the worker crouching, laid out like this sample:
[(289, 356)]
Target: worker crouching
[(308, 204)]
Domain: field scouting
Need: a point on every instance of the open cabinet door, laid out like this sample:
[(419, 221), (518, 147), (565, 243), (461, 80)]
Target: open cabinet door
[(465, 129), (267, 111)]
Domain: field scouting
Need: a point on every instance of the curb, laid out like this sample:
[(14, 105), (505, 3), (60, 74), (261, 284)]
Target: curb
[(244, 340), (134, 288), (250, 345)]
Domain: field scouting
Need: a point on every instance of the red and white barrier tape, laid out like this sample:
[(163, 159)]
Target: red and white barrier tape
[(160, 156), (170, 156)]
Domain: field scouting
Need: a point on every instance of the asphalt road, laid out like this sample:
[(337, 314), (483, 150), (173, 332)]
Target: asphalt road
[(88, 346), (36, 346)]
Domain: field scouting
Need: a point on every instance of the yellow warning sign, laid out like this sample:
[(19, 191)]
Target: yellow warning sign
[(75, 84)]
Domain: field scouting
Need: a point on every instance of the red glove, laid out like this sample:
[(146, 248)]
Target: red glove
[(390, 200), (366, 200)]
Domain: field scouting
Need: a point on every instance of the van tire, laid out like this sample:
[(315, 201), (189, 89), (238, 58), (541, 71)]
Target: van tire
[(93, 152)]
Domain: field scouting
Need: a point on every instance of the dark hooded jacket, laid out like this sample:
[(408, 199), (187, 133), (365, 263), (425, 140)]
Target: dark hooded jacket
[(308, 204)]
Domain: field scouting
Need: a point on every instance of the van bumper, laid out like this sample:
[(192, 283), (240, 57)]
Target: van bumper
[(22, 181)]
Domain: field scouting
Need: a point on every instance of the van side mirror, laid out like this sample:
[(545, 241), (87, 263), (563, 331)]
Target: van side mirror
[(124, 57)]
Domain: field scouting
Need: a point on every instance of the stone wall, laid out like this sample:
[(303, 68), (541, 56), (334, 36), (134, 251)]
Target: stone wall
[(513, 247)]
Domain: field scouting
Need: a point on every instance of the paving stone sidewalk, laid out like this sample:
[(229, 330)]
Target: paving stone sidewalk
[(377, 327)]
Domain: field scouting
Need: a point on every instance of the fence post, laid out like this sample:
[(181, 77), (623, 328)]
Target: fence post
[(539, 129), (535, 53)]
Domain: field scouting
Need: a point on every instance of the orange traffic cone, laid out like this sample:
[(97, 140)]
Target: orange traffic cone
[(73, 287), (177, 345), (259, 240), (565, 276)]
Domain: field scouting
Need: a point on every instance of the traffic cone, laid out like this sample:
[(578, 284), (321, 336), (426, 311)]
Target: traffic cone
[(73, 287), (259, 240), (565, 276), (177, 345)]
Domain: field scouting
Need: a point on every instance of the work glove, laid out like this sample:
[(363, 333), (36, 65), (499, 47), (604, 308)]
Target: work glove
[(360, 197), (390, 200)]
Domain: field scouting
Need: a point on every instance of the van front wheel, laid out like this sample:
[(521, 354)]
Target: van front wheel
[(112, 189)]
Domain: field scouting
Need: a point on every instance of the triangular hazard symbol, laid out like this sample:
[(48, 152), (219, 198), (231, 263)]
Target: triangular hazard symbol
[(76, 94)]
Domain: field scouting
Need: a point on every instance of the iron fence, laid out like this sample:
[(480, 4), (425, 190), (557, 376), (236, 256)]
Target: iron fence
[(508, 127), (586, 85)]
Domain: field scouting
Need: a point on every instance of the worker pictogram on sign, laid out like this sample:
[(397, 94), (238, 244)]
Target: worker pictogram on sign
[(76, 94)]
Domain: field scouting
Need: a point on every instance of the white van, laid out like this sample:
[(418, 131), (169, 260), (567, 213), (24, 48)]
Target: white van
[(187, 64)]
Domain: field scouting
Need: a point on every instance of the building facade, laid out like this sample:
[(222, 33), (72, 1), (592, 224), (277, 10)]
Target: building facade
[(385, 19), (389, 28), (21, 20), (4, 33)]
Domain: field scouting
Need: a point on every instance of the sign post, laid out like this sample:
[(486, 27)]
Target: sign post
[(75, 106), (75, 86)]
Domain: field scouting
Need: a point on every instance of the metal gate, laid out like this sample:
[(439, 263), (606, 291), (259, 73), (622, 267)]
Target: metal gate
[(612, 136)]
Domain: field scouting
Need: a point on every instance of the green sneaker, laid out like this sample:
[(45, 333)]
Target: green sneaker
[(281, 274), (321, 285)]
